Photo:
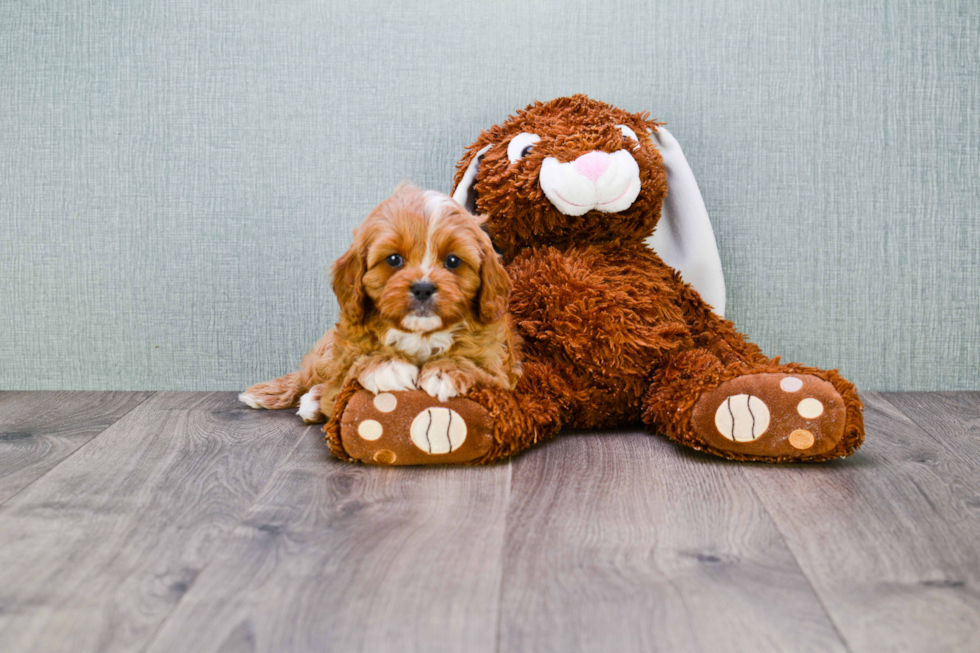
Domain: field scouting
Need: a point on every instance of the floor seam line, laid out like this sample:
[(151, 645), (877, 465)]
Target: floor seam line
[(796, 559), (940, 441), (503, 551), (238, 522)]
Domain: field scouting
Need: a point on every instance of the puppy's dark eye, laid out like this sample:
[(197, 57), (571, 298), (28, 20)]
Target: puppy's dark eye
[(453, 262), (395, 260)]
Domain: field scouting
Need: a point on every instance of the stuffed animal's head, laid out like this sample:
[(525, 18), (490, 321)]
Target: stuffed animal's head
[(562, 172)]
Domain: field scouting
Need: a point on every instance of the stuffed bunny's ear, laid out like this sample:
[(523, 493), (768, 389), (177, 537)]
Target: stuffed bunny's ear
[(464, 193), (684, 238)]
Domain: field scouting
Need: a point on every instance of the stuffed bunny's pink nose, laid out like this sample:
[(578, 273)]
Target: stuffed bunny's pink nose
[(592, 165)]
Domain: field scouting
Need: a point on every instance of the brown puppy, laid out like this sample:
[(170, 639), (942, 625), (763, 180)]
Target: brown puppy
[(423, 301)]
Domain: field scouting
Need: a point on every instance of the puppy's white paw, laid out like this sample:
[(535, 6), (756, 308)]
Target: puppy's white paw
[(393, 376), (441, 386), (248, 400), (309, 407)]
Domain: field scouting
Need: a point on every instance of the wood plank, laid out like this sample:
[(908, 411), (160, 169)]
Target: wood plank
[(952, 418), (95, 554), (627, 542), (889, 538), (40, 429), (345, 557)]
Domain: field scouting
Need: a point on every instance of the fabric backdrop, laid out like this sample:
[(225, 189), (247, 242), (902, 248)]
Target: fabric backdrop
[(176, 177)]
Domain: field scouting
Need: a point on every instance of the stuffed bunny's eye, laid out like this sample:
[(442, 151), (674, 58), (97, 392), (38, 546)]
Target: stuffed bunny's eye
[(629, 133), (521, 145)]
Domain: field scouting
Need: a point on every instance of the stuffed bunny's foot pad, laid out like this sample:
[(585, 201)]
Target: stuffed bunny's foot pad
[(412, 428), (772, 415)]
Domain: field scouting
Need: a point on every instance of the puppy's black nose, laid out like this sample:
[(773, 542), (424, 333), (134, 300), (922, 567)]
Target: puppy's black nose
[(423, 290)]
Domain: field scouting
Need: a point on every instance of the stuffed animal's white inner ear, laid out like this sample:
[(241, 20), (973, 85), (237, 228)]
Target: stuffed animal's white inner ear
[(684, 238), (464, 193)]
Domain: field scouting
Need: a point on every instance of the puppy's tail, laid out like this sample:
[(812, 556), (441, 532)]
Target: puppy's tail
[(283, 392)]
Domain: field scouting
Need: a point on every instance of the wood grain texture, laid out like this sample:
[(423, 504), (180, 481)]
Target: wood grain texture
[(194, 524), (40, 429), (345, 557), (952, 418), (626, 542), (889, 538), (94, 555)]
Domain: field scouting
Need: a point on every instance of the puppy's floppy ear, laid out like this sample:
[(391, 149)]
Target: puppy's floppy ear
[(494, 284), (347, 284)]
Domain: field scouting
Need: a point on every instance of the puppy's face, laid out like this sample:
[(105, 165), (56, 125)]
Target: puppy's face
[(420, 262)]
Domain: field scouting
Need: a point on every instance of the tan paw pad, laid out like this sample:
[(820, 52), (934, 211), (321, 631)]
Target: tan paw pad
[(810, 408), (370, 429), (791, 384), (801, 439), (385, 402), (771, 415), (412, 428), (385, 457)]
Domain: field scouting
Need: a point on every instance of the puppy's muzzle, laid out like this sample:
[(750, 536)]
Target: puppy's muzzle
[(422, 291), (421, 318)]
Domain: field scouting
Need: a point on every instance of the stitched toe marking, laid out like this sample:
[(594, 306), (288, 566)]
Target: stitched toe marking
[(742, 418), (438, 430)]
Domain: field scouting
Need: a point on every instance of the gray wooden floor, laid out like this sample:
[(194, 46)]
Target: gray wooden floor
[(186, 522)]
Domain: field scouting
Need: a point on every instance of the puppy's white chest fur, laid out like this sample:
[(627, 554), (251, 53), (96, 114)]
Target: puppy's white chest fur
[(420, 346)]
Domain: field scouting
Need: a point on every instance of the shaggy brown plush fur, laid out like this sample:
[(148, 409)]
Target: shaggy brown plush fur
[(612, 336)]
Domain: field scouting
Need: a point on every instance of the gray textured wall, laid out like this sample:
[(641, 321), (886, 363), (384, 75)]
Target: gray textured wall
[(176, 177)]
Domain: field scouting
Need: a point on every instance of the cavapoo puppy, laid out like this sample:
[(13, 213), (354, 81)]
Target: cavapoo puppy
[(423, 304)]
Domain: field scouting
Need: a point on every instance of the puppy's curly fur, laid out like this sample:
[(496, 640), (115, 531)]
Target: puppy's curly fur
[(423, 304)]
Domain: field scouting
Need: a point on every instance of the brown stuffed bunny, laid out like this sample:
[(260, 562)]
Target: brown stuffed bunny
[(612, 335)]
